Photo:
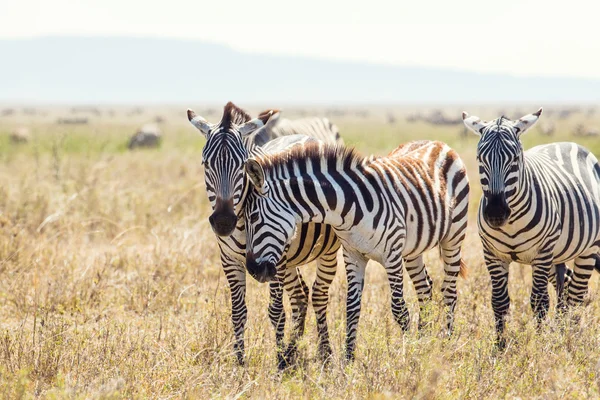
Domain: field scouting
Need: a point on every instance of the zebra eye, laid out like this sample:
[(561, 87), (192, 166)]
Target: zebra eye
[(254, 218)]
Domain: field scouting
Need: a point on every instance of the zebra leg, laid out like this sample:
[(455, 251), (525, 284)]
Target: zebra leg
[(452, 259), (355, 274), (423, 286), (276, 311), (236, 278), (326, 269), (395, 274), (298, 292), (584, 266), (498, 271), (539, 300)]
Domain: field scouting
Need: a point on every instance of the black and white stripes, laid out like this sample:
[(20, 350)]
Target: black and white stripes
[(539, 207), (229, 144), (387, 209)]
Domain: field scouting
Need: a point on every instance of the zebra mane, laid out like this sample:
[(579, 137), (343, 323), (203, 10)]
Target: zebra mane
[(233, 115), (345, 157)]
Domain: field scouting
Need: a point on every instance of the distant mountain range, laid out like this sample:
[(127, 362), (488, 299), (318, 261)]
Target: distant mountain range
[(148, 70)]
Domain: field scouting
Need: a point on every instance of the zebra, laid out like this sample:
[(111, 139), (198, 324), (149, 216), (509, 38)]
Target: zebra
[(386, 209), (539, 207), (229, 144), (314, 127)]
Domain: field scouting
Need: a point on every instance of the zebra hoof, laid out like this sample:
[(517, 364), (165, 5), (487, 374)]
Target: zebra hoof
[(287, 359), (241, 361), (325, 352), (501, 344)]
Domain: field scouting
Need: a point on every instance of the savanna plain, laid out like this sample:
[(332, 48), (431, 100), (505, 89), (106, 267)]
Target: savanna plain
[(111, 284)]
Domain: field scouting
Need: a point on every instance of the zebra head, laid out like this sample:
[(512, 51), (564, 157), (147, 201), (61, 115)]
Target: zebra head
[(500, 158), (223, 158), (270, 226)]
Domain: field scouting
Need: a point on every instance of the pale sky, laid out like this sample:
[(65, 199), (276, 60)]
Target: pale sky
[(520, 37)]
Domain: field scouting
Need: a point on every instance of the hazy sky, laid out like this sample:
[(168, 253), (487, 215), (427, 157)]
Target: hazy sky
[(523, 37)]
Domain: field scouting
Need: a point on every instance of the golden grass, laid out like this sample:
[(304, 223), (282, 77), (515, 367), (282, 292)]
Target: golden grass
[(111, 287)]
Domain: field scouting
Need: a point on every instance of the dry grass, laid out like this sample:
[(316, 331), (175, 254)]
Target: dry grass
[(111, 286)]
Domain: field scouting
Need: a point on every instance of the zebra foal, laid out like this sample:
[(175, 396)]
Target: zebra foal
[(388, 209), (539, 207)]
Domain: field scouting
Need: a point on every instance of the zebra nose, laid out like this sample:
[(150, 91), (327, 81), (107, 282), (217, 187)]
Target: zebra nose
[(261, 271), (496, 210), (223, 223)]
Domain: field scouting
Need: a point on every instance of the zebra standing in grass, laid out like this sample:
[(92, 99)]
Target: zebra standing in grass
[(387, 209), (539, 207), (229, 144)]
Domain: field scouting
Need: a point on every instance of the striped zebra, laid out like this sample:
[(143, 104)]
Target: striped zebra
[(386, 209), (539, 207), (228, 145), (317, 128)]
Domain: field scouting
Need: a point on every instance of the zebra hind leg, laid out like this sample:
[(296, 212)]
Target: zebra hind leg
[(326, 269), (584, 265), (423, 284), (396, 279), (453, 266)]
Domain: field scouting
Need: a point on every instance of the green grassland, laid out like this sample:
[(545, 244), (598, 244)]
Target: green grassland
[(111, 284)]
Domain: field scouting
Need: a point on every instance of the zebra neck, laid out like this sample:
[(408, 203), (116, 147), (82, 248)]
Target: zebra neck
[(335, 195)]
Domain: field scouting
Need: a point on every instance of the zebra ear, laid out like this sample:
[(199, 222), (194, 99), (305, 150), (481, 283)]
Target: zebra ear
[(473, 123), (257, 176), (526, 122), (257, 123), (270, 116), (199, 122)]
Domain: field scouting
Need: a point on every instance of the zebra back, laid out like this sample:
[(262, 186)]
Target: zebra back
[(318, 128)]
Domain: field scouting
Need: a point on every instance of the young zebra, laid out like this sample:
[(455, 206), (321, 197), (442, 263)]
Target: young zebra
[(387, 209), (539, 207), (229, 144)]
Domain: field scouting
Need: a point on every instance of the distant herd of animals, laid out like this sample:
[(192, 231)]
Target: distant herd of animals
[(283, 197), (288, 192), (150, 135)]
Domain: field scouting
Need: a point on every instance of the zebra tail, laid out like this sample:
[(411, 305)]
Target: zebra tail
[(464, 271), (560, 270)]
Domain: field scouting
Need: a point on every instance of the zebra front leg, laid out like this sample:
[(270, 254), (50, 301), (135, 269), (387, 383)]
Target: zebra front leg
[(584, 265), (326, 269), (236, 278), (423, 284), (355, 274), (498, 271), (298, 292), (277, 312), (540, 301)]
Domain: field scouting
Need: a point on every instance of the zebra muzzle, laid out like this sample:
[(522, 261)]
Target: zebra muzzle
[(263, 271), (223, 220), (496, 210)]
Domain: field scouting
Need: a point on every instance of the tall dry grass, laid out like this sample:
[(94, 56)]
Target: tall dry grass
[(111, 287)]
